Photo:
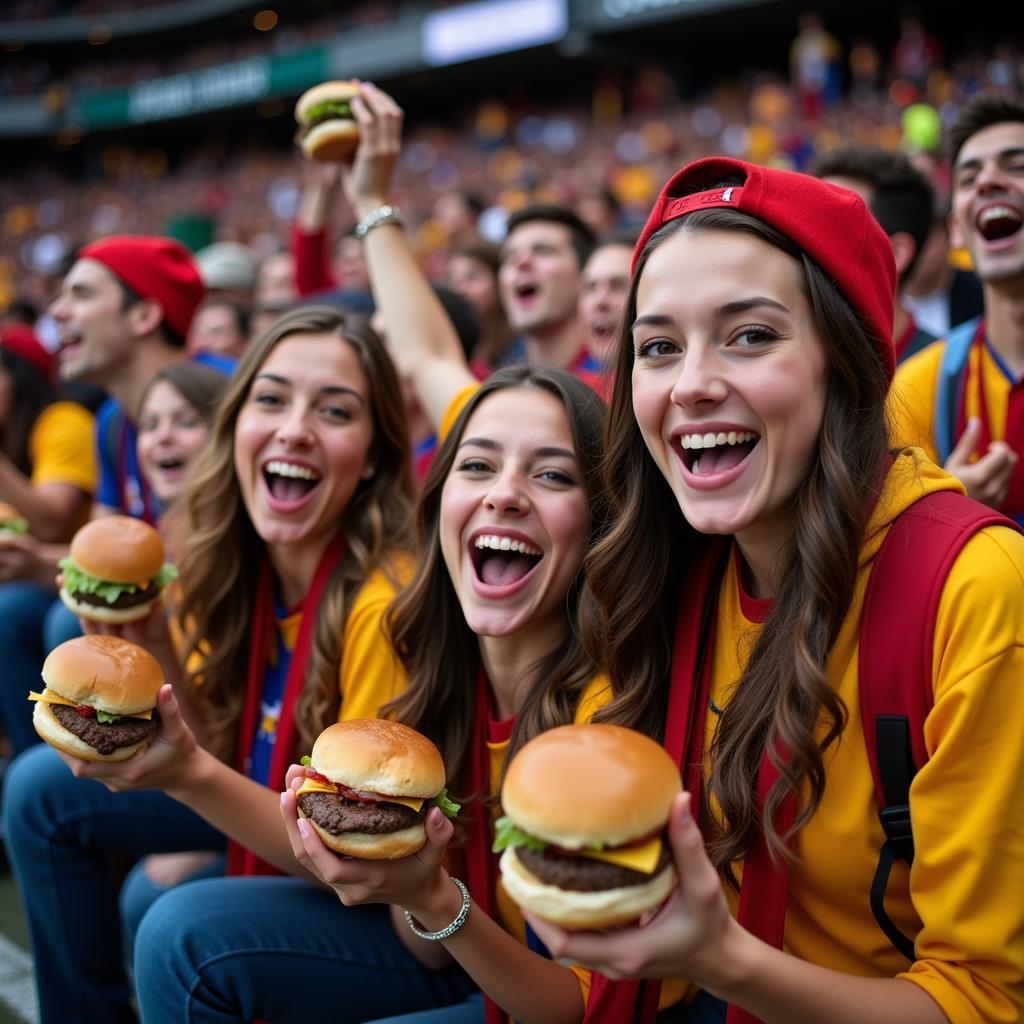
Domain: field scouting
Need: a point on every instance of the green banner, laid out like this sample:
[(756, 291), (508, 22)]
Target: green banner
[(227, 85)]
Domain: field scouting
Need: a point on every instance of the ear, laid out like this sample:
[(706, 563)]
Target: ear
[(145, 317), (956, 238), (904, 249)]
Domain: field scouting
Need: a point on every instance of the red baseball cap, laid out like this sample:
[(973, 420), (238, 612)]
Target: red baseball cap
[(21, 340), (831, 224), (154, 268)]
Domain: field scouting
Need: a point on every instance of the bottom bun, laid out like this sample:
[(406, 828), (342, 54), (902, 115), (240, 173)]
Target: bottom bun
[(332, 141), (369, 846), (582, 910), (67, 742), (112, 616)]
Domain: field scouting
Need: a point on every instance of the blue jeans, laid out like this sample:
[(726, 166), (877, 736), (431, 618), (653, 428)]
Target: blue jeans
[(30, 626), (60, 833), (281, 949)]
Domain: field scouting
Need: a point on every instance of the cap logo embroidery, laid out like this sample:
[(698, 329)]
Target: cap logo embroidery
[(727, 196)]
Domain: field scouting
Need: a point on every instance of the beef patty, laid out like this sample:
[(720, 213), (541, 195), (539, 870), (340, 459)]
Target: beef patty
[(583, 874), (124, 599), (103, 736), (335, 815)]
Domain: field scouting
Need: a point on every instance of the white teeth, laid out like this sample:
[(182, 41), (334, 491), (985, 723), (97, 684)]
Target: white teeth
[(689, 441), (997, 213), (506, 544), (279, 468)]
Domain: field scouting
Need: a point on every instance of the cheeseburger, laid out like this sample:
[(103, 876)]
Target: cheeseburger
[(11, 523), (327, 129), (369, 784), (586, 806), (115, 570), (99, 698)]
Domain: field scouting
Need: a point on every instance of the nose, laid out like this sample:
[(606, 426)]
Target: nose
[(58, 308), (990, 176), (294, 429), (699, 381), (506, 495)]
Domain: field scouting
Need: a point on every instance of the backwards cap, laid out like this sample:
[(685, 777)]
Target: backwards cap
[(21, 340), (831, 224), (154, 268)]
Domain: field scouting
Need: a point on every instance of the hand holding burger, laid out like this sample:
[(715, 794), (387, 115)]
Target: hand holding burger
[(115, 571), (586, 807), (99, 699), (368, 786)]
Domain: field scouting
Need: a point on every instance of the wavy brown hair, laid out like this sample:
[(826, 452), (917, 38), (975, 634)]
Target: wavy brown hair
[(634, 573), (222, 553), (441, 653)]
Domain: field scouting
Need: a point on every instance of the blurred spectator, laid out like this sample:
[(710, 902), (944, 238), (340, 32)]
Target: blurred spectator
[(228, 270), (458, 214), (221, 327), (275, 280), (602, 301), (599, 210), (473, 274), (916, 53), (814, 59)]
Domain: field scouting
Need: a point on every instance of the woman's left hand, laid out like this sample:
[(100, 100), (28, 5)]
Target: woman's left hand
[(690, 936), (417, 881), (165, 764)]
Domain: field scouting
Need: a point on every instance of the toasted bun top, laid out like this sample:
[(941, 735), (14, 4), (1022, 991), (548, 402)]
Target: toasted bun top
[(104, 672), (340, 90), (379, 756), (8, 512), (118, 549), (578, 785)]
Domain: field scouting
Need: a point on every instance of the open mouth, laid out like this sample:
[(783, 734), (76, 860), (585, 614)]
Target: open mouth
[(998, 222), (288, 482), (527, 292), (712, 453), (171, 464), (502, 561)]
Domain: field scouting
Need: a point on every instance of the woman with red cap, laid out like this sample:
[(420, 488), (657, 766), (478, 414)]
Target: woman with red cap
[(48, 474), (773, 566)]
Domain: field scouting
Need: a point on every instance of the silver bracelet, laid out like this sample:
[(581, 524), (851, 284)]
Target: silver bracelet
[(444, 933), (374, 219)]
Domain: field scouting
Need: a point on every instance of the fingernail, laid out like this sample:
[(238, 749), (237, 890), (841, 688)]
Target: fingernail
[(284, 797), (303, 828), (684, 811)]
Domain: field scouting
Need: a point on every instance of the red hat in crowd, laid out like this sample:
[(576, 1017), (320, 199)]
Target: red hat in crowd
[(154, 268), (21, 340), (831, 224)]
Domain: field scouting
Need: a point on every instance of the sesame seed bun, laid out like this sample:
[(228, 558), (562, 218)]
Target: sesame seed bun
[(590, 785), (104, 672), (379, 756)]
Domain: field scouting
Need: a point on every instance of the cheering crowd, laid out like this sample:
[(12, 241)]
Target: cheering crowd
[(705, 480)]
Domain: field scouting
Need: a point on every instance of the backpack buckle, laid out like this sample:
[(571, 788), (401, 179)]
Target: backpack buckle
[(896, 824)]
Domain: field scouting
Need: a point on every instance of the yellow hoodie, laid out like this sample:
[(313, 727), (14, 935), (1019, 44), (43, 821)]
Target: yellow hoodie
[(964, 896)]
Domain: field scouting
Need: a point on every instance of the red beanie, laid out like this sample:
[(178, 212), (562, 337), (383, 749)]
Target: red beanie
[(831, 224), (154, 268), (21, 340)]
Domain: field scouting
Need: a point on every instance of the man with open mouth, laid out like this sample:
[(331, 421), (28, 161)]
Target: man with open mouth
[(963, 398)]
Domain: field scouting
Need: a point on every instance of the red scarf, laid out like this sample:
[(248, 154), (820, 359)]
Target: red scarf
[(764, 891), (242, 861), (1013, 503)]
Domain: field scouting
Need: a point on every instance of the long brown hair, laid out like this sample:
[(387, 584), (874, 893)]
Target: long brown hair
[(634, 573), (441, 653), (222, 553)]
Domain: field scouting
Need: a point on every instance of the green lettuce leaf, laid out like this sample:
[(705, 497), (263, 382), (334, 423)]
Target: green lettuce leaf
[(448, 807), (106, 717), (76, 580), (305, 760), (329, 108), (506, 834), (18, 525)]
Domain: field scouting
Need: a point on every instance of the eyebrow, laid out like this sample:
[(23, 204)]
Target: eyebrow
[(728, 309), (330, 389), (545, 451), (1003, 154)]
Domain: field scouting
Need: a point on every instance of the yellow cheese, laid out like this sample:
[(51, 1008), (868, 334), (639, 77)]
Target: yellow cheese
[(49, 697), (637, 858), (314, 786)]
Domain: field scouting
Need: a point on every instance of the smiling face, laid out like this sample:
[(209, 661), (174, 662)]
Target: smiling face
[(95, 332), (539, 279), (728, 381), (605, 285), (514, 514), (988, 201), (303, 440), (170, 433)]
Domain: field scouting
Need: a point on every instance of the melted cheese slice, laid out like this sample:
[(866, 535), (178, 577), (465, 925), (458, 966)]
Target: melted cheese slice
[(315, 786), (637, 858), (49, 697)]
